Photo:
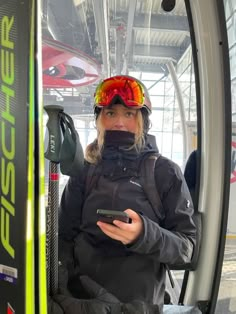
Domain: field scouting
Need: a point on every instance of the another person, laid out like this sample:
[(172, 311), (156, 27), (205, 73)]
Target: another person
[(128, 260), (190, 175)]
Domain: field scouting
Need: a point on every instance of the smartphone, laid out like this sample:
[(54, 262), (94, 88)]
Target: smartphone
[(109, 215)]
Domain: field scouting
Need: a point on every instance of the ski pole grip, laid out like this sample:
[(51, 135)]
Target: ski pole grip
[(54, 133)]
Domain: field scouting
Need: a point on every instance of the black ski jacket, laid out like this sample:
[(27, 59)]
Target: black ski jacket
[(135, 271)]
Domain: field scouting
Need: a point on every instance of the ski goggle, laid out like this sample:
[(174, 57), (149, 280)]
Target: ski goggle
[(130, 91)]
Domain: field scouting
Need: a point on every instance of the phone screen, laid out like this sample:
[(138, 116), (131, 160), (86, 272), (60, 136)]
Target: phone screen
[(109, 216)]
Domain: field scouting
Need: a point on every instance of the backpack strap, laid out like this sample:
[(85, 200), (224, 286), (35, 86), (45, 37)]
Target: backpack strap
[(148, 182)]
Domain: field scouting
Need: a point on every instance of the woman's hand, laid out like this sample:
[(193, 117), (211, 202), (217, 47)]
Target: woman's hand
[(121, 231)]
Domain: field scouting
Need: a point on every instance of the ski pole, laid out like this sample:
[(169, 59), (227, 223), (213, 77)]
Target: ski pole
[(52, 154)]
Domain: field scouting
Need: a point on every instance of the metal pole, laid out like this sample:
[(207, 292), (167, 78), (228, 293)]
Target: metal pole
[(53, 204), (181, 108), (53, 155)]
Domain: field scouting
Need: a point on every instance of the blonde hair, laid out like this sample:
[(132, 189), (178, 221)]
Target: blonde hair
[(93, 151)]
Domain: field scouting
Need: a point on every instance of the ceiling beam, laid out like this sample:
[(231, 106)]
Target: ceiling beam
[(158, 22), (129, 36), (101, 20), (157, 51), (151, 68)]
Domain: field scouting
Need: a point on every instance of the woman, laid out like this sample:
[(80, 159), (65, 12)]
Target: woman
[(128, 260)]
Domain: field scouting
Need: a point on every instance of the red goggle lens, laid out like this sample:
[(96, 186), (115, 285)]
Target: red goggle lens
[(129, 90)]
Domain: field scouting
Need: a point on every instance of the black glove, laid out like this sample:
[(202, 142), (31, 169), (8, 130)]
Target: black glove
[(97, 292), (63, 280), (101, 302), (54, 307)]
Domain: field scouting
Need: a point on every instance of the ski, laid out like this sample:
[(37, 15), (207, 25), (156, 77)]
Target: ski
[(22, 211)]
